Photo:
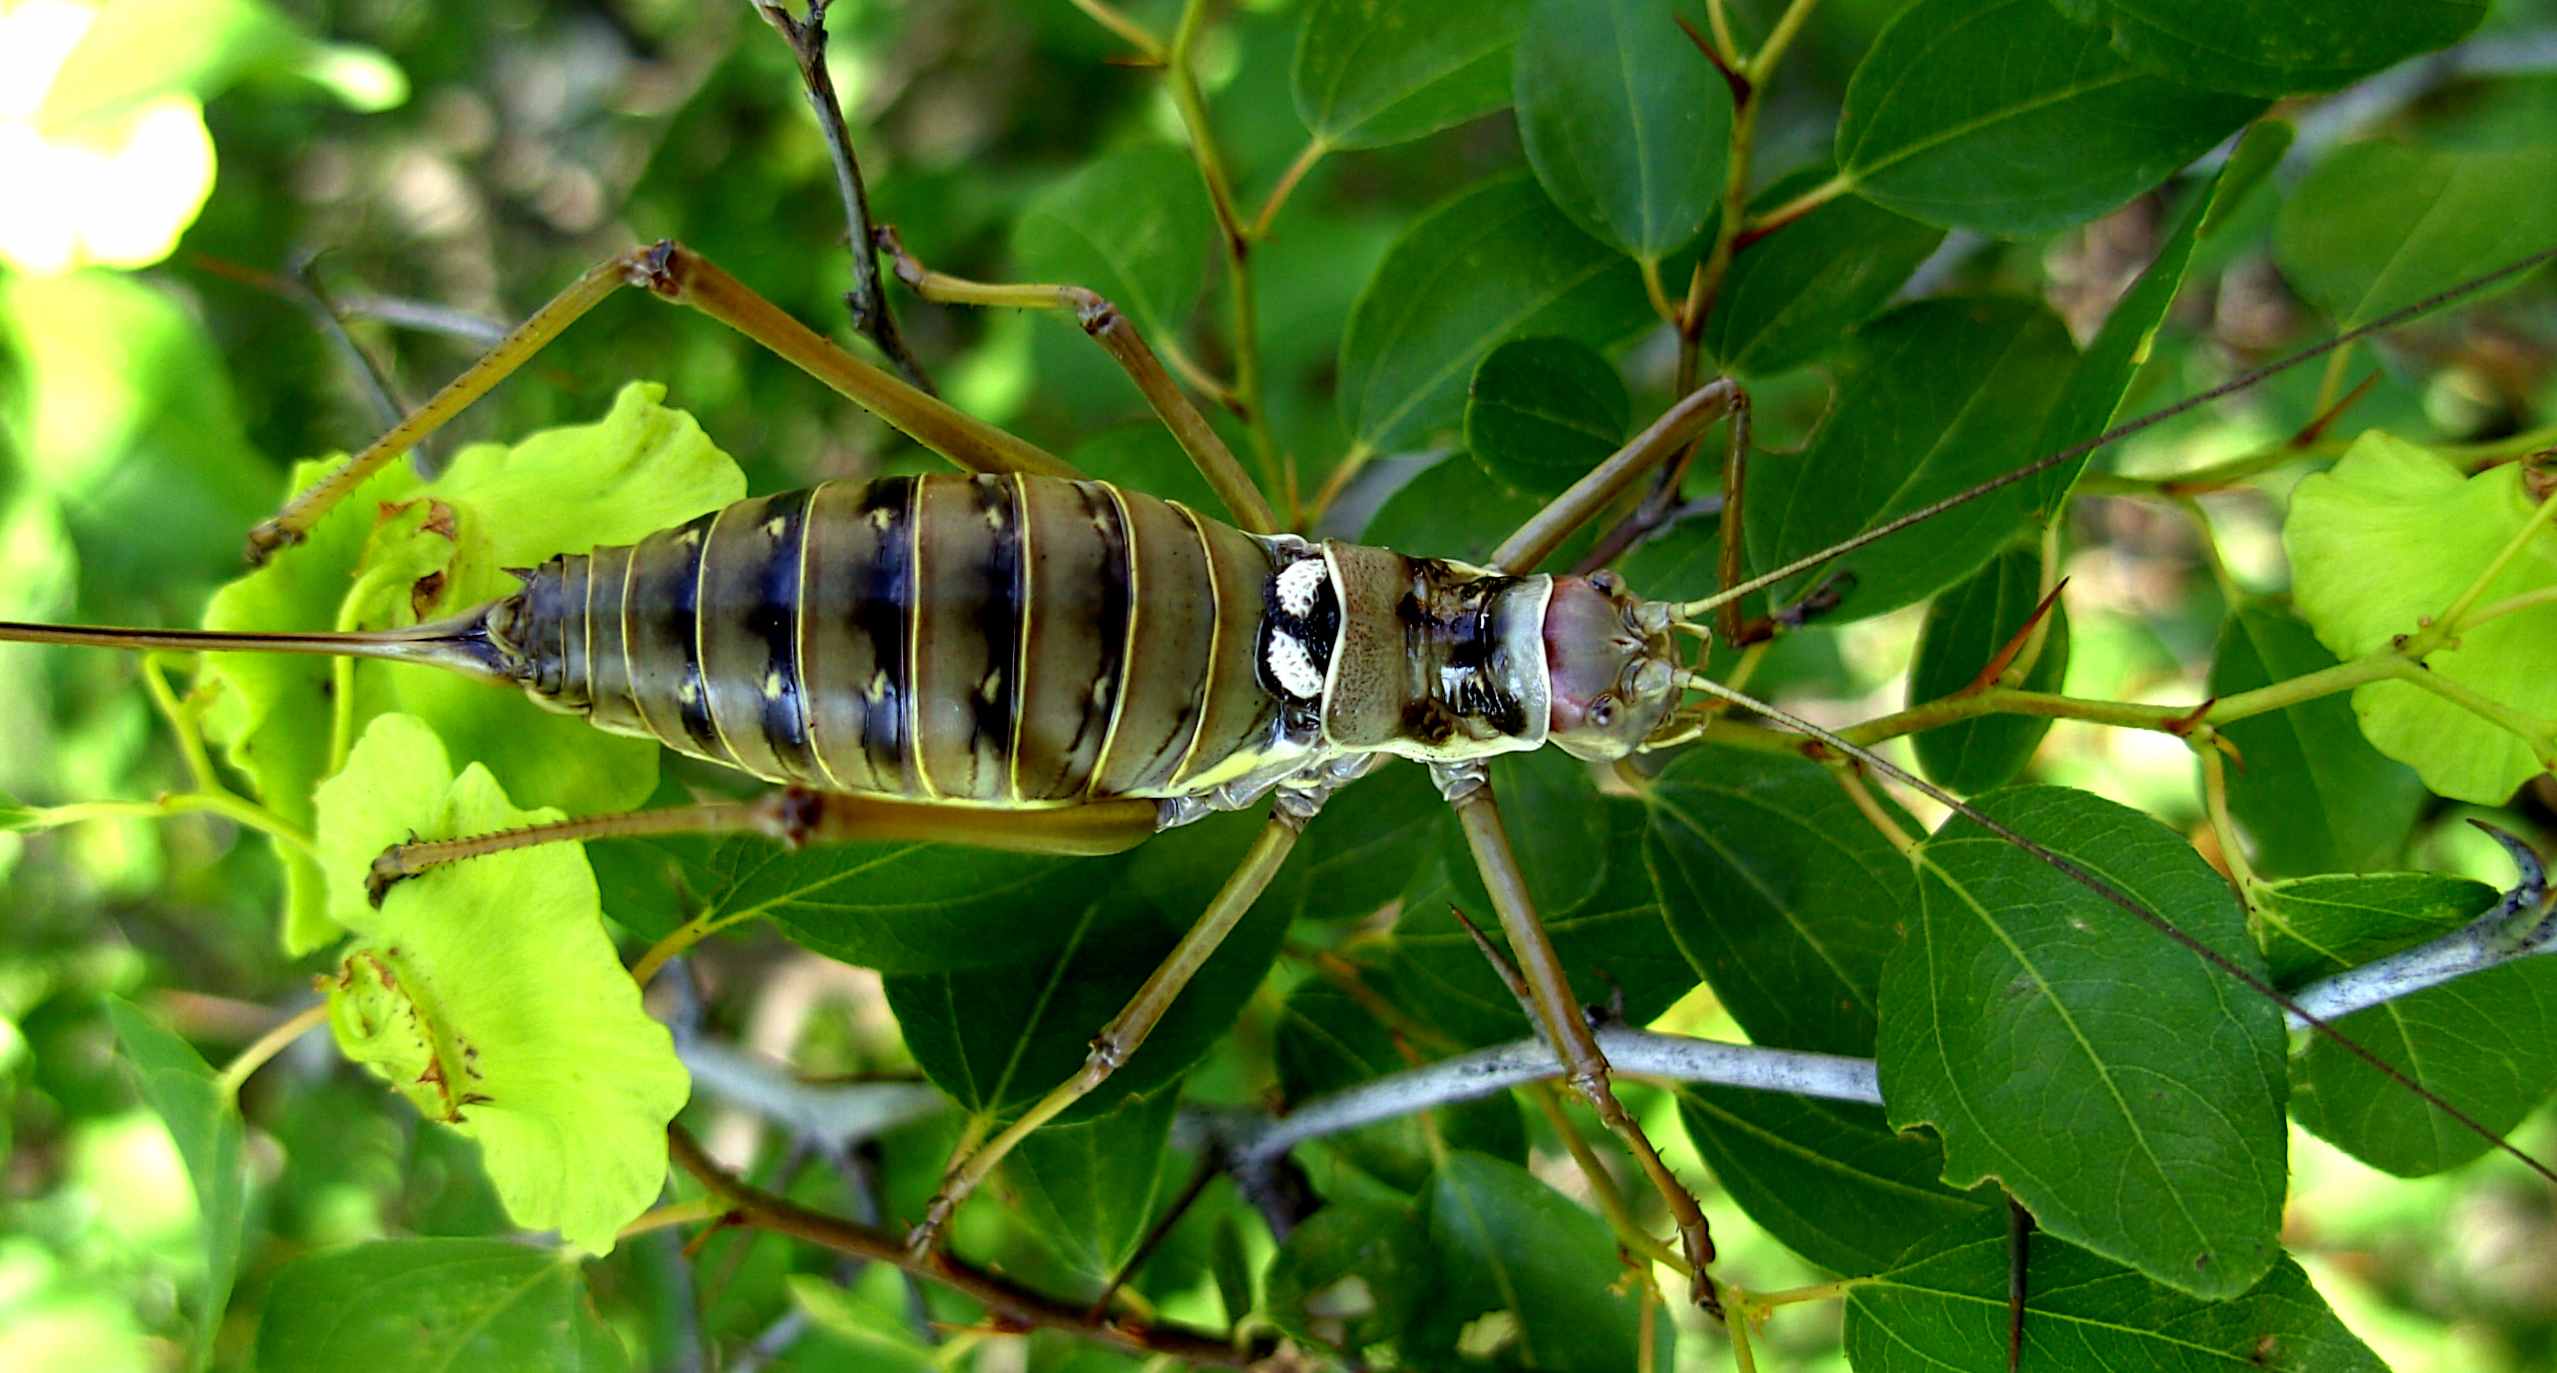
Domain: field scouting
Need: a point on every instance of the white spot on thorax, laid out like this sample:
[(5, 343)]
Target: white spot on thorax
[(1293, 667), (1297, 583)]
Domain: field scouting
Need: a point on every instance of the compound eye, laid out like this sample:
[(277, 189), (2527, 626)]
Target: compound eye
[(1606, 583), (1602, 712)]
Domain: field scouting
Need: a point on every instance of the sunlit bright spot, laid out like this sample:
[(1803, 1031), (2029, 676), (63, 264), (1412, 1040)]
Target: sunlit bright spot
[(118, 186)]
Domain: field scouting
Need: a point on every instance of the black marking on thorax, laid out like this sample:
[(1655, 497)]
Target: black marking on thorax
[(1447, 618)]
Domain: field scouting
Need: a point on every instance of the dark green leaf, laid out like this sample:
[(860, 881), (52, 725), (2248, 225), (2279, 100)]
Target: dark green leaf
[(1452, 510), (1542, 412), (2311, 792), (1091, 1190), (1134, 226), (1145, 457), (1501, 1240), (1945, 1307), (1351, 1275), (2127, 1093), (204, 1121), (999, 1038), (2006, 118), (1965, 627), (2487, 1041), (1372, 72), (1933, 398), (1496, 262), (2277, 47), (2378, 226), (1363, 850), (1327, 1041), (1832, 1180), (1793, 295), (906, 907), (429, 1305), (1778, 892), (1628, 126)]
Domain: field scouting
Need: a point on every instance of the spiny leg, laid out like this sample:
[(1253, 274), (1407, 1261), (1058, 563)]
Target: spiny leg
[(671, 272), (1467, 786), (1127, 1030), (796, 816), (1110, 328)]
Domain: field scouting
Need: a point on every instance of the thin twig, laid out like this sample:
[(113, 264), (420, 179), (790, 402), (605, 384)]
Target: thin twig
[(868, 304), (1008, 1302)]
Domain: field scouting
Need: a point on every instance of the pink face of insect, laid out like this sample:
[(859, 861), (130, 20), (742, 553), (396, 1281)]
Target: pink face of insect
[(1613, 666)]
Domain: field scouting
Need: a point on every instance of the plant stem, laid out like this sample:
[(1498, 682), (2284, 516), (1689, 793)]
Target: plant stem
[(265, 1047), (1314, 151), (1763, 63), (673, 1214), (1108, 17), (680, 939), (247, 814), (2431, 637)]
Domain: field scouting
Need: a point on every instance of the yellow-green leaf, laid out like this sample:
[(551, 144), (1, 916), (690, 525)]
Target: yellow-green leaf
[(487, 992), (2392, 536)]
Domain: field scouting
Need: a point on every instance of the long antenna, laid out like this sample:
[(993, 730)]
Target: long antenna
[(2121, 898), (2119, 432)]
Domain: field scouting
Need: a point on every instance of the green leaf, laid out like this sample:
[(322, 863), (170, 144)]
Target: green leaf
[(1373, 72), (1778, 892), (1944, 1306), (1351, 1275), (2127, 1093), (204, 1122), (2006, 118), (2314, 795), (1627, 126), (2487, 1041), (1933, 398), (2323, 924), (2093, 395), (2276, 47), (2378, 226), (904, 907), (488, 994), (1360, 852), (1831, 1180), (999, 1038), (1542, 412), (1503, 1241), (427, 1305), (1964, 629), (1327, 1042), (1493, 263), (1091, 1190), (2385, 541), (1794, 295), (871, 1320), (1133, 225), (15, 817)]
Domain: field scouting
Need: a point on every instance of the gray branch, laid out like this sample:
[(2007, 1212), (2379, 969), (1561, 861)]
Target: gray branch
[(2518, 926)]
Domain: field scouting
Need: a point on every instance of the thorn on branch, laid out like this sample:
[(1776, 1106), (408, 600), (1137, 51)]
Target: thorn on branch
[(1739, 84)]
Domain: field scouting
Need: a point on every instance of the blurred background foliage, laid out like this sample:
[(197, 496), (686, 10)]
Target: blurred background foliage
[(182, 182)]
